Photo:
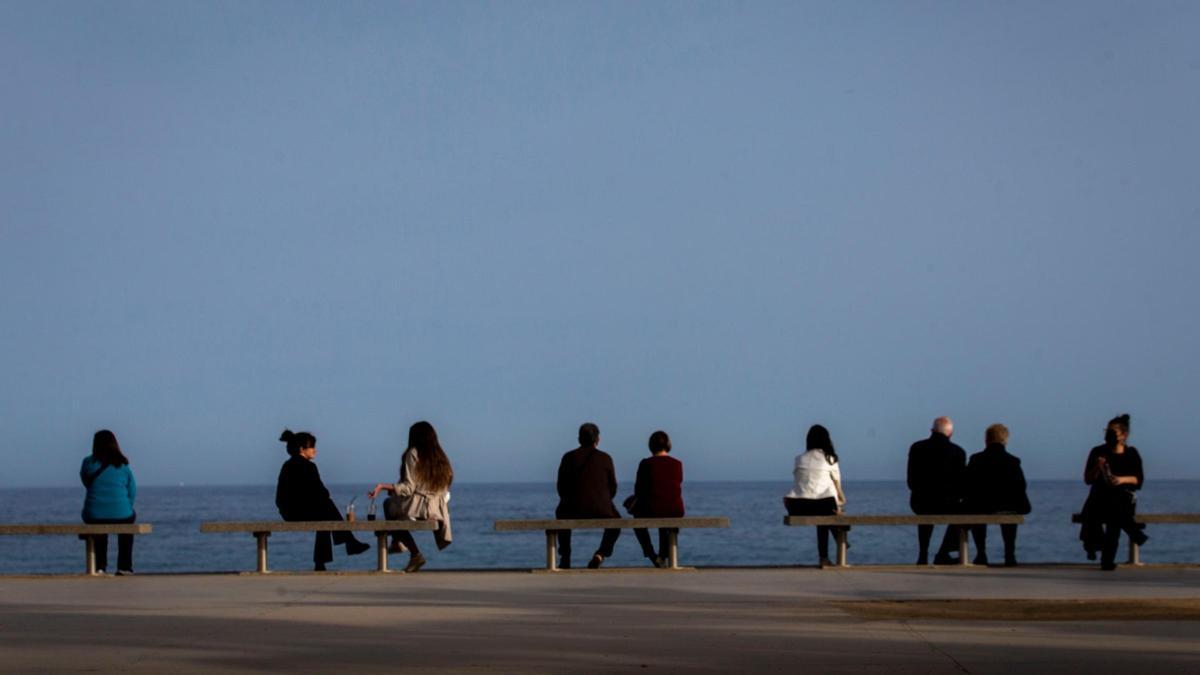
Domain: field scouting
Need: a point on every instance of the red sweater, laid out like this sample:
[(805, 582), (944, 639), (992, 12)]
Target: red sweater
[(659, 487)]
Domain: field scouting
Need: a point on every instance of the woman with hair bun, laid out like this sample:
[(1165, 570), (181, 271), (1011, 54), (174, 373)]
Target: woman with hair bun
[(1114, 470), (301, 495), (423, 492), (111, 491)]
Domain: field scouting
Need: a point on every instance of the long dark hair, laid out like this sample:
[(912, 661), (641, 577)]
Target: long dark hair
[(818, 439), (434, 472), (297, 441), (106, 449)]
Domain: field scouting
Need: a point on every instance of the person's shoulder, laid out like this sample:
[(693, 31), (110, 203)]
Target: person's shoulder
[(1133, 451)]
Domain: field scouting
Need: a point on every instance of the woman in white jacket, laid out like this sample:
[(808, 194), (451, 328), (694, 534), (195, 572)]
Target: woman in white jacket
[(818, 485), (423, 492)]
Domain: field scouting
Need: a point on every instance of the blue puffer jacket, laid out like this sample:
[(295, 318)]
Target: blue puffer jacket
[(111, 495)]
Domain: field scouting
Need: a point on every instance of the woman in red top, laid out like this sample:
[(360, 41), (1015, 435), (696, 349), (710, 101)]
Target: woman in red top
[(658, 494)]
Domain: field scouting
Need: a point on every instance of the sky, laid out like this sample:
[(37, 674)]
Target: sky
[(727, 220)]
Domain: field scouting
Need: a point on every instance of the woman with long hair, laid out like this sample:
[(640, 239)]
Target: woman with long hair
[(301, 495), (423, 492), (1114, 470), (111, 491), (817, 490)]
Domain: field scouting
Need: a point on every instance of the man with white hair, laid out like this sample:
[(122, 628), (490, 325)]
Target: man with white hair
[(936, 473)]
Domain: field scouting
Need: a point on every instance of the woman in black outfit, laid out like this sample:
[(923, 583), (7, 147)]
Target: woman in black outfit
[(300, 495), (1114, 470)]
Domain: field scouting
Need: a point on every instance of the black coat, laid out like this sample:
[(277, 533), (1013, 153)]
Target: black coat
[(995, 483), (936, 475), (587, 484), (1108, 503), (300, 494)]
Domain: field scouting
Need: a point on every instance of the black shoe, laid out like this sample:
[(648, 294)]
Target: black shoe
[(1010, 561), (980, 560), (595, 562), (1108, 566), (1091, 555), (354, 547), (564, 564), (319, 567), (923, 559), (944, 559), (1141, 538), (657, 561), (825, 562)]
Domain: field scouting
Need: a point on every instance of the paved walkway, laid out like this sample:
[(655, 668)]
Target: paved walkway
[(879, 619)]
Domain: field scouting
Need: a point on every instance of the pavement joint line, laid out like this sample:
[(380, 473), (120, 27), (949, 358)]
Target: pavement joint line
[(933, 647)]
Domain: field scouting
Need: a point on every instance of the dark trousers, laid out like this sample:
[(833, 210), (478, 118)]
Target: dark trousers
[(124, 544), (1008, 532), (323, 546), (815, 507), (1112, 534), (607, 542), (664, 538), (949, 541)]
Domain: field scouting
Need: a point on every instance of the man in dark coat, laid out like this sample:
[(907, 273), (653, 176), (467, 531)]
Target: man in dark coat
[(995, 484), (936, 470), (587, 484)]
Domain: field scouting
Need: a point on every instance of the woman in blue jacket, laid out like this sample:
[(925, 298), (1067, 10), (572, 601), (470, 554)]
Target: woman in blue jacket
[(111, 491)]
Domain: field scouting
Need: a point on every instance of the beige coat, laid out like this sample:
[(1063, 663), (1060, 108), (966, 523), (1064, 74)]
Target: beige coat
[(413, 502)]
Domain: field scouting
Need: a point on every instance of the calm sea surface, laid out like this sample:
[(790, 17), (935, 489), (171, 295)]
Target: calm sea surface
[(756, 537)]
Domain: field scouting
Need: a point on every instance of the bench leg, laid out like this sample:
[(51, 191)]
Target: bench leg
[(1134, 553), (261, 538), (381, 551), (963, 553), (839, 536), (673, 548), (90, 543), (552, 550)]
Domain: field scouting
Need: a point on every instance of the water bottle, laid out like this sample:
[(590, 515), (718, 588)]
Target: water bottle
[(350, 510), (371, 510)]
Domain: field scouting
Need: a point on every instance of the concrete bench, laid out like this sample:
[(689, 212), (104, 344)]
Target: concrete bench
[(1147, 519), (904, 519), (84, 532), (551, 527), (261, 529)]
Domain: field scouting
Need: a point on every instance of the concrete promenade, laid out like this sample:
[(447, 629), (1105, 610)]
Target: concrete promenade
[(1054, 619)]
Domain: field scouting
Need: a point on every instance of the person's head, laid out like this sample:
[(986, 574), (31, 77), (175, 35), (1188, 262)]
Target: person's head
[(299, 443), (818, 439), (944, 426), (660, 442), (1117, 430), (997, 434), (106, 449), (589, 435), (433, 466)]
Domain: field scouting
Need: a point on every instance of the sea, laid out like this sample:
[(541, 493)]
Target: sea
[(756, 536)]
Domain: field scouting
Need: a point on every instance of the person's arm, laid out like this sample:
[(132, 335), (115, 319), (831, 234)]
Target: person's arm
[(836, 474), (612, 479), (911, 470), (132, 488), (1134, 479), (641, 484), (563, 478), (1092, 468)]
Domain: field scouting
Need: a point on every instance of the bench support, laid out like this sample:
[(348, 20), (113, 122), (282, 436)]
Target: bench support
[(1134, 553), (552, 550), (839, 536), (261, 538), (90, 543), (963, 551), (381, 552), (673, 548)]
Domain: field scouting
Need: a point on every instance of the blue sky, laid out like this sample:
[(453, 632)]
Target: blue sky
[(725, 220)]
